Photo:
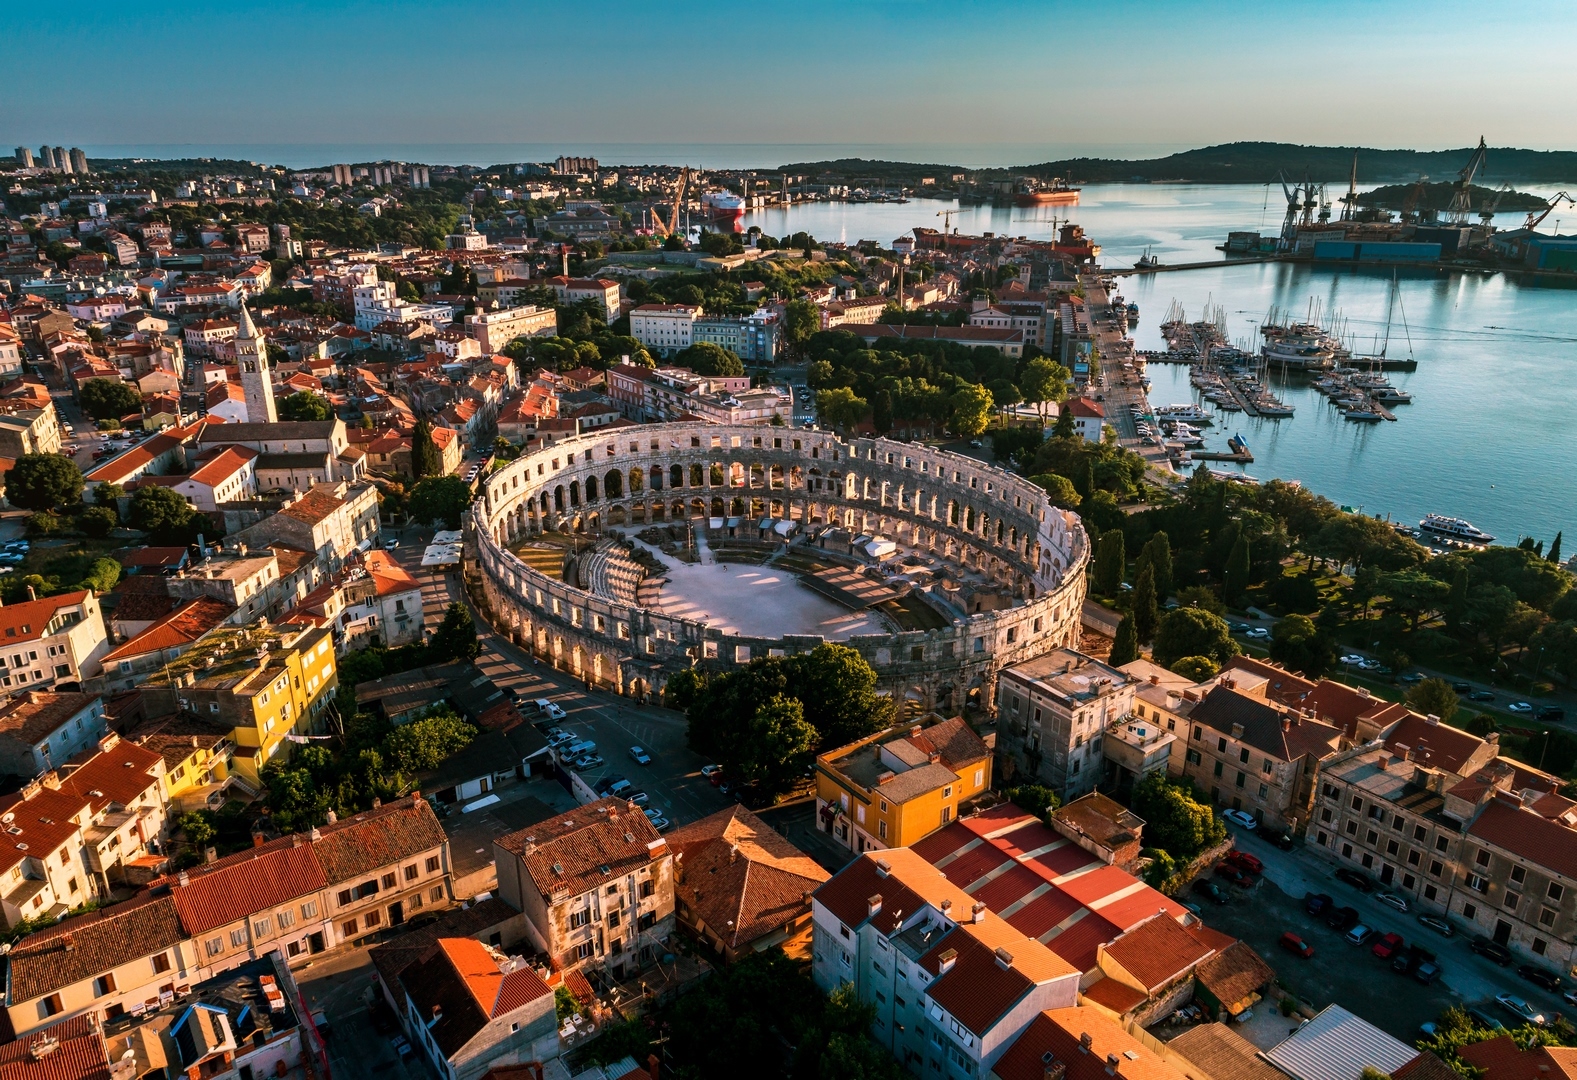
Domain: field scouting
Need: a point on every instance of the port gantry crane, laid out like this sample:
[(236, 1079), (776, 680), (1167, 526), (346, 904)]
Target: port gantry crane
[(1350, 200), (1486, 213), (1289, 224), (1536, 217), (664, 228), (1461, 201)]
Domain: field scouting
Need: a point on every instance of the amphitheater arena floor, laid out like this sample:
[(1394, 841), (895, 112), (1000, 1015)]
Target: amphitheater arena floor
[(760, 601)]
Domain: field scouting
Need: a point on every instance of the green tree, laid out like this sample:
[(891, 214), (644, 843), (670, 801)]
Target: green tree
[(1456, 601), (1064, 428), (102, 576), (1034, 798), (198, 828), (838, 690), (164, 515), (1201, 597), (1234, 583), (109, 494), (1146, 613), (1196, 668), (1110, 561), (455, 638), (1434, 697), (841, 407), (801, 319), (440, 498), (1297, 644), (422, 745), (1059, 490), (711, 359), (970, 410), (1044, 381), (43, 482), (303, 405), (1418, 596), (109, 399), (1175, 818), (426, 458), (882, 411), (1189, 631), (682, 688), (1554, 554), (1157, 552), (97, 521), (777, 746), (1125, 646)]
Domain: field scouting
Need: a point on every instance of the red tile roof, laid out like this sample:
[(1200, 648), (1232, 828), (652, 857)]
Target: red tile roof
[(233, 888), (181, 627), (1117, 996), (87, 945), (458, 988), (223, 465), (34, 716), (80, 1054), (117, 776), (1527, 834), (44, 820), (27, 621), (1158, 951), (579, 850), (1055, 1036), (976, 990)]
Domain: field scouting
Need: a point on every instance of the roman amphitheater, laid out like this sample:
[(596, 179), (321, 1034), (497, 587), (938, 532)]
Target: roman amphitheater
[(628, 555)]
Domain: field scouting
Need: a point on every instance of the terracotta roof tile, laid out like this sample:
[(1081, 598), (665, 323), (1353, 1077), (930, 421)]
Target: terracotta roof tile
[(578, 850), (27, 621), (1528, 834), (116, 776), (87, 945), (180, 628), (1119, 997), (358, 845), (1233, 974), (81, 1054), (34, 716), (235, 887), (460, 983), (1055, 1035), (1158, 951)]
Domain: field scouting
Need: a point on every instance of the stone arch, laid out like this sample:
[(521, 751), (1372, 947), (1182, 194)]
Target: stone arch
[(675, 475), (574, 492), (558, 498), (637, 483), (591, 489), (696, 477), (612, 484)]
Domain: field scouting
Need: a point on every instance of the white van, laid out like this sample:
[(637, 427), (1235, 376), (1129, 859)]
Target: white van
[(552, 710), (577, 749)]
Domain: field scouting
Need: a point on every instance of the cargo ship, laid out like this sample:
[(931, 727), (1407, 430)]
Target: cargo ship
[(1058, 192), (723, 206)]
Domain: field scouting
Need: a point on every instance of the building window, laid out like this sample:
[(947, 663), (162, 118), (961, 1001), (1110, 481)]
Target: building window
[(1477, 884), (348, 928), (161, 963), (1430, 892), (1539, 945), (1325, 815), (1357, 803), (1511, 900), (389, 881), (1218, 768), (345, 897), (881, 829), (372, 918), (237, 938), (583, 950), (1221, 746), (1193, 757), (1547, 917), (49, 1006), (1264, 790), (579, 918), (1371, 837), (436, 894), (1519, 874), (309, 910), (1391, 847), (1469, 911), (104, 984), (1434, 867), (1412, 858), (262, 927), (1482, 857), (648, 888), (1440, 843), (432, 864), (1243, 755), (215, 946), (1556, 892), (411, 872)]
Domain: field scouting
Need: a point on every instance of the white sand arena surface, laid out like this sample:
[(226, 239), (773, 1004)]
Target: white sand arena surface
[(757, 601)]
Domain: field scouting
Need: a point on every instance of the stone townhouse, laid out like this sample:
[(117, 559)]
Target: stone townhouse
[(596, 886), (1433, 812), (1255, 756), (470, 1008), (300, 895), (1052, 712), (39, 729)]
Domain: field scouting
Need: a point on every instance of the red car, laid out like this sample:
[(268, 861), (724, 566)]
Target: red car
[(1387, 946), (1296, 945), (1236, 876), (1244, 861)]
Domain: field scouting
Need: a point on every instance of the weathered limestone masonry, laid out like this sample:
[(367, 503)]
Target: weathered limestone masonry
[(970, 514)]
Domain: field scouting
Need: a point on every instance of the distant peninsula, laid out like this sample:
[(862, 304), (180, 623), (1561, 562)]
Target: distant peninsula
[(1244, 163)]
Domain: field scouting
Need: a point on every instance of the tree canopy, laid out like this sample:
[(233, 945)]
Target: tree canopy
[(304, 405), (43, 482), (1189, 631), (709, 358), (109, 399), (440, 498), (1176, 820)]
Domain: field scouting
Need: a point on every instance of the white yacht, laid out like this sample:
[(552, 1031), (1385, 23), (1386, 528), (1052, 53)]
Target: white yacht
[(1454, 529), (1190, 414)]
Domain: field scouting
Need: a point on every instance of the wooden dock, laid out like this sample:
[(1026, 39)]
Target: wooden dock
[(1165, 268), (1245, 458)]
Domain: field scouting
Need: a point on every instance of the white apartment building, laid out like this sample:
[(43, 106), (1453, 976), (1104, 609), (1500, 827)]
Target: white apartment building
[(378, 303), (664, 328), (52, 642), (495, 329)]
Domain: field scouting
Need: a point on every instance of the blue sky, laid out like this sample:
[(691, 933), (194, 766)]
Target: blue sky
[(1123, 78)]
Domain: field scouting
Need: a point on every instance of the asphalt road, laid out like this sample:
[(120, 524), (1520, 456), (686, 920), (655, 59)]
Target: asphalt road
[(1393, 1002)]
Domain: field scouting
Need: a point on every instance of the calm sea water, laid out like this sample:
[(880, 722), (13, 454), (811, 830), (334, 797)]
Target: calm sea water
[(1491, 435)]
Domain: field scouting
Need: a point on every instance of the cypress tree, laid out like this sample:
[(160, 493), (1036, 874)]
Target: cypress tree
[(1110, 560), (1555, 549), (1456, 602), (1158, 552), (426, 458), (1235, 580), (1146, 615), (1125, 649), (1085, 482)]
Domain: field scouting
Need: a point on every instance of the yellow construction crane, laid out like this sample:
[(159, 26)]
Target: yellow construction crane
[(671, 226), (947, 218)]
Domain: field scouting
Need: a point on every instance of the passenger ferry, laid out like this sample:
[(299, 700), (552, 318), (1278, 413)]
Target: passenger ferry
[(1454, 529)]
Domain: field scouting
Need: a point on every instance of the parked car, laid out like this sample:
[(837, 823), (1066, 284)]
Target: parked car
[(1412, 678), (1462, 687), (1570, 996), (1343, 918), (391, 543), (640, 756), (1357, 879), (552, 710), (1244, 861), (1484, 1019), (1519, 707), (1520, 1009), (1387, 946), (1438, 925), (1493, 950), (639, 798), (1360, 934), (1408, 960), (711, 771), (1539, 977), (1228, 872), (1316, 902), (1210, 890), (652, 813), (1392, 900), (1259, 633), (589, 761), (1296, 945), (1550, 712), (1240, 819), (1283, 840), (1427, 972), (659, 823), (1481, 695)]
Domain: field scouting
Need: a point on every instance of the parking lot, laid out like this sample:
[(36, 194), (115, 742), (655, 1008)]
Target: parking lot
[(1349, 974)]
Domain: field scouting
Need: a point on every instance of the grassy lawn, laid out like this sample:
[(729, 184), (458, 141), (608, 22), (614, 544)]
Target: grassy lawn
[(67, 561)]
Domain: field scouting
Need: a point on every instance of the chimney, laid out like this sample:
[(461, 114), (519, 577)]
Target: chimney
[(332, 817), (733, 854), (883, 867), (945, 962), (1055, 1070), (978, 912), (70, 942), (1237, 732), (376, 802), (315, 834), (1155, 680), (1111, 1064), (651, 1066), (873, 905), (438, 1014), (31, 595), (257, 839), (1085, 1042), (295, 839), (210, 855), (184, 879), (1004, 959), (1432, 720), (947, 905)]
